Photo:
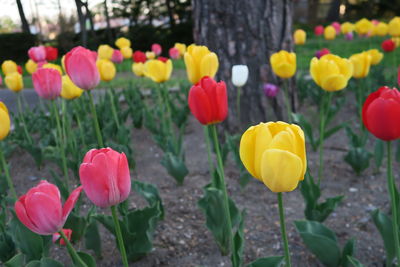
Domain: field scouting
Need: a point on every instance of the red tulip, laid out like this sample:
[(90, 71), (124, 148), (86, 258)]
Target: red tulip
[(322, 52), (80, 65), (139, 57), (174, 53), (117, 56), (40, 209), (163, 59), (51, 53), (319, 30), (398, 77), (37, 53), (20, 70), (208, 101), (47, 83), (56, 236), (156, 48), (388, 45), (105, 177), (380, 113)]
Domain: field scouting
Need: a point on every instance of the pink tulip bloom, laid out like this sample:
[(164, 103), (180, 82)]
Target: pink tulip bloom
[(398, 77), (117, 56), (349, 36), (319, 30), (336, 25), (57, 236), (37, 53), (41, 63), (80, 65), (174, 53), (1, 80), (105, 177), (40, 209), (47, 83), (156, 48)]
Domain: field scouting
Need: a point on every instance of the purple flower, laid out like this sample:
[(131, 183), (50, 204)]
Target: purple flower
[(349, 36), (270, 90)]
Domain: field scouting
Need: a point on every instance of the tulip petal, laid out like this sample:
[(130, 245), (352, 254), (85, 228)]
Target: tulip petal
[(23, 216), (71, 201), (200, 105), (191, 69), (124, 177), (209, 65), (333, 83)]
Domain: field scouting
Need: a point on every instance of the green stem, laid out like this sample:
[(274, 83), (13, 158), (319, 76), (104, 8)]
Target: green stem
[(323, 116), (119, 236), (392, 191), (238, 102), (208, 144), (78, 121), (283, 230), (113, 108), (95, 121), (72, 252), (7, 174), (286, 100), (360, 96), (21, 116)]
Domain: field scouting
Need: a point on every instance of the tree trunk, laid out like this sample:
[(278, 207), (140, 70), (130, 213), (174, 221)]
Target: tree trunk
[(24, 22), (245, 32), (333, 14), (82, 22), (170, 13), (108, 29)]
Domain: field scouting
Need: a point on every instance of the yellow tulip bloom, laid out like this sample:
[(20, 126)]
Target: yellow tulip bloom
[(396, 40), (200, 62), (157, 70), (5, 122), (283, 64), (329, 33), (347, 27), (381, 29), (105, 52), (63, 63), (376, 56), (394, 27), (331, 72), (53, 66), (14, 82), (9, 66), (150, 55), (69, 89), (299, 37), (122, 42), (106, 69), (275, 153), (30, 66), (181, 48), (361, 64), (138, 69), (363, 26), (126, 52)]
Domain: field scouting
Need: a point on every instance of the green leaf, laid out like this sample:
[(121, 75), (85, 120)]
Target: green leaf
[(379, 152), (86, 258), (175, 166), (149, 192), (60, 184), (321, 241), (7, 247), (16, 261), (333, 130), (273, 261), (358, 158), (45, 262), (384, 225), (93, 239), (348, 251), (238, 243), (354, 262), (77, 224)]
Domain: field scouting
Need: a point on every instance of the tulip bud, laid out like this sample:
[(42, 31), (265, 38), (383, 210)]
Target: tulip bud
[(47, 83), (283, 64), (117, 57), (106, 69), (347, 27), (181, 48), (30, 66), (158, 70), (105, 52), (8, 67), (329, 33), (240, 74), (150, 55), (14, 82), (388, 45), (174, 53), (5, 123), (138, 69), (157, 49), (299, 37), (361, 64), (349, 36), (139, 56), (376, 56), (122, 42), (322, 52), (363, 26), (270, 90), (337, 27), (200, 62), (126, 52), (69, 89), (51, 53), (319, 30), (37, 53), (394, 27)]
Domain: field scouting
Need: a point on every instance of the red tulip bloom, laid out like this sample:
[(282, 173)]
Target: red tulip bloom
[(20, 70), (105, 177), (57, 236), (163, 59), (174, 53), (47, 83), (398, 77), (208, 101), (388, 45), (40, 209), (380, 113), (322, 52), (319, 30), (156, 48), (37, 53), (139, 57), (51, 53)]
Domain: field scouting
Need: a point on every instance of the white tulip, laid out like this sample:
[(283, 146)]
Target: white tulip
[(240, 73)]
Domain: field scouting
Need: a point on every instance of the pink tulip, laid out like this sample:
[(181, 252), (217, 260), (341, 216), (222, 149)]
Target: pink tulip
[(41, 63), (322, 52), (174, 53), (80, 65), (56, 236), (156, 48), (319, 30), (37, 53), (336, 25), (47, 83), (398, 76), (117, 56), (349, 36), (1, 80), (40, 209), (105, 177)]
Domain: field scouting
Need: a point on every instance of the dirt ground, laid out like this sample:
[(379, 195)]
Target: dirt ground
[(183, 240)]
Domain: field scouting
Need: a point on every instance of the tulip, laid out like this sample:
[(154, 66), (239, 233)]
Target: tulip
[(361, 64), (157, 70), (396, 41), (283, 64), (394, 27), (150, 55), (337, 26), (381, 29), (299, 37), (37, 53), (1, 80), (388, 45), (163, 59), (80, 65), (122, 42), (329, 33), (319, 30), (5, 122), (347, 27), (14, 82), (138, 69), (8, 67), (69, 89), (41, 211), (363, 26), (51, 53), (275, 154), (30, 66), (57, 236), (398, 76), (139, 56), (181, 48), (117, 56), (270, 90), (174, 53), (200, 62), (105, 52), (126, 52), (106, 69), (331, 72), (349, 36), (240, 74), (53, 66), (156, 48), (47, 83), (208, 101), (376, 56), (322, 52), (20, 70)]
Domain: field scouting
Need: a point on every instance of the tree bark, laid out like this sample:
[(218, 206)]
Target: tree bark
[(82, 22), (170, 13), (245, 32), (24, 22)]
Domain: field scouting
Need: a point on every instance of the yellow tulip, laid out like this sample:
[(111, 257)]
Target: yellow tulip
[(396, 40), (331, 72), (347, 27), (105, 52), (126, 52), (283, 63), (69, 89), (122, 42), (200, 62), (376, 56), (30, 66), (394, 27), (363, 26), (329, 33), (181, 48), (106, 69), (299, 37), (157, 70), (63, 63), (150, 55), (5, 122), (381, 29), (14, 82), (275, 153), (9, 66), (53, 66), (361, 64), (138, 69)]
